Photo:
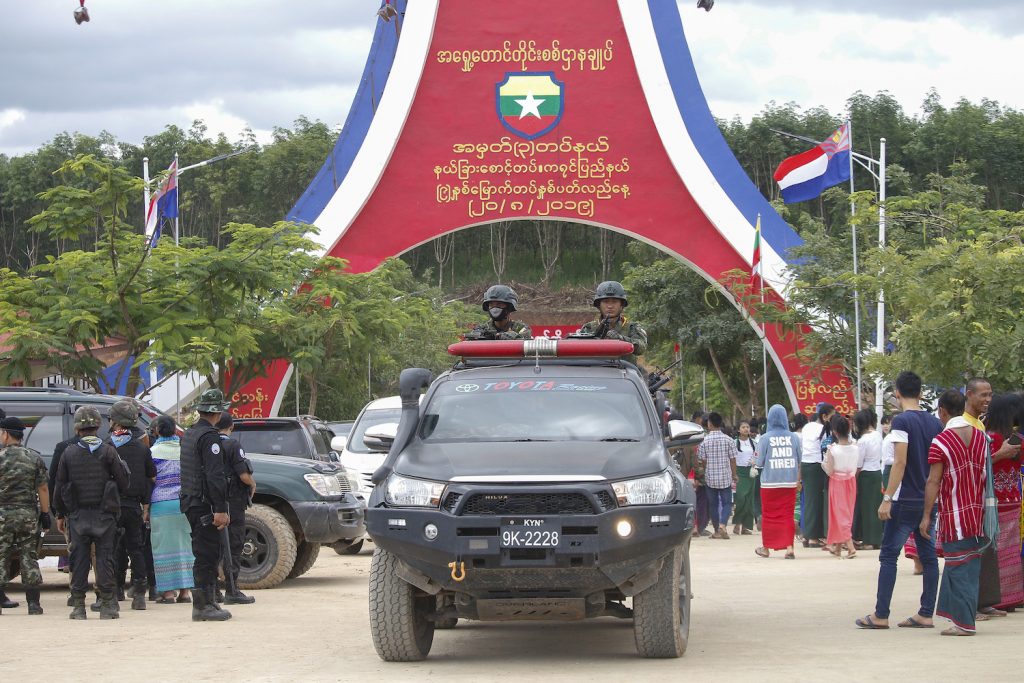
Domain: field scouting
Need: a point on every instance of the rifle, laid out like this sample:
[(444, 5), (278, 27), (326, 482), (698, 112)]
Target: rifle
[(659, 378), (478, 334)]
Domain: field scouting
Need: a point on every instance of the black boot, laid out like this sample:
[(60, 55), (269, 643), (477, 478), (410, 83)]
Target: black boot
[(203, 607), (108, 607), (139, 596), (6, 602), (218, 596), (32, 598), (78, 606), (95, 607), (71, 600), (238, 598), (153, 595), (120, 592)]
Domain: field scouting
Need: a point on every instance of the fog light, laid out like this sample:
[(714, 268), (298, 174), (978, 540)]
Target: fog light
[(430, 531), (624, 528)]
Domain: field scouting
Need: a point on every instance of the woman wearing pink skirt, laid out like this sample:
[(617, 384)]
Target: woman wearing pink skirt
[(840, 464)]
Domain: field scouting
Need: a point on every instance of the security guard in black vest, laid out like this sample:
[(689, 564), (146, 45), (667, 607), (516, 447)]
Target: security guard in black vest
[(241, 489), (87, 499), (204, 501)]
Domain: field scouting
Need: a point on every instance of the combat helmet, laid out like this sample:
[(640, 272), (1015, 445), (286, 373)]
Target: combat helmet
[(87, 417), (212, 401), (124, 413), (610, 289), (502, 293)]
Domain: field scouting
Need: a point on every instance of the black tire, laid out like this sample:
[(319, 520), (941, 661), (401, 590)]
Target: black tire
[(268, 553), (398, 613), (348, 547), (305, 558), (661, 614)]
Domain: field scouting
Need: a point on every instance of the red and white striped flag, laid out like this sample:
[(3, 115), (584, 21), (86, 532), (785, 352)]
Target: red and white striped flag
[(756, 276)]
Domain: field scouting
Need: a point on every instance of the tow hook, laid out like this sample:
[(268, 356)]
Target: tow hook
[(458, 570)]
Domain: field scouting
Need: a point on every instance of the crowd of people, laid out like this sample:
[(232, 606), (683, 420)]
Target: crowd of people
[(154, 502), (917, 486)]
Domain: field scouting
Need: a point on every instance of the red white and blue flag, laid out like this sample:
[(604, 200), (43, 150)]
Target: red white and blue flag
[(808, 174), (162, 204)]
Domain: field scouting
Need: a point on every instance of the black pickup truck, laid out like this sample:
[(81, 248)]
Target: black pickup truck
[(302, 501)]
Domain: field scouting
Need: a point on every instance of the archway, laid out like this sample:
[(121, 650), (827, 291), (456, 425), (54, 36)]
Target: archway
[(525, 109)]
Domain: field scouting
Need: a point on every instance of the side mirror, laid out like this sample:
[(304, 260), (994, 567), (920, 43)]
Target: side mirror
[(683, 429), (338, 443), (380, 437)]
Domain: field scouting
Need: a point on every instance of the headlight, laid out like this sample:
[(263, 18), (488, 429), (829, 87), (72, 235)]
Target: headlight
[(405, 492), (647, 491), (324, 484)]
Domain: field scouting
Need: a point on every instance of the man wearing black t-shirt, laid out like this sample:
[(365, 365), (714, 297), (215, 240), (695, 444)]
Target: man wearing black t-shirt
[(903, 505)]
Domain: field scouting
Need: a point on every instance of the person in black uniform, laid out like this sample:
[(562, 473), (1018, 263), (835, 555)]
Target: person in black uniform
[(90, 478), (124, 416), (204, 501), (241, 489)]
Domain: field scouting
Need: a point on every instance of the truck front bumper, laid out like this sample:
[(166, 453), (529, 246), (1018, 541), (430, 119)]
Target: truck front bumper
[(332, 521)]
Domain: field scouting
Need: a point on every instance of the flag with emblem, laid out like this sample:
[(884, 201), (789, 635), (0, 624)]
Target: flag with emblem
[(530, 103), (756, 278)]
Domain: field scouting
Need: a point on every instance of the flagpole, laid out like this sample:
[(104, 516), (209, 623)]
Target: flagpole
[(856, 289), (764, 329), (177, 375), (145, 212), (880, 338)]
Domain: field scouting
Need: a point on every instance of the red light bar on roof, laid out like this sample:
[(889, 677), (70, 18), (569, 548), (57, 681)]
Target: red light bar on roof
[(542, 347)]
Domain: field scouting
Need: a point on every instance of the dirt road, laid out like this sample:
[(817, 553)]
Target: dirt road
[(774, 619)]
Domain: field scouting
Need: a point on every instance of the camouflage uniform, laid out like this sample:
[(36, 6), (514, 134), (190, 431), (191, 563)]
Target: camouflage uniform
[(22, 472), (623, 329), (515, 330)]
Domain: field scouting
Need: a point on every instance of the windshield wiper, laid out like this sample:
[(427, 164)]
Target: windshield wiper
[(619, 438)]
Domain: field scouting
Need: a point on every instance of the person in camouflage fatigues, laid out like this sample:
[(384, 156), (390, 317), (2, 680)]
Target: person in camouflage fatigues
[(499, 302), (610, 299), (24, 508)]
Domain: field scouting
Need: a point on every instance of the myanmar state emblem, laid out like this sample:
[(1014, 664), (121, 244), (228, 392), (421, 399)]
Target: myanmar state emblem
[(530, 103)]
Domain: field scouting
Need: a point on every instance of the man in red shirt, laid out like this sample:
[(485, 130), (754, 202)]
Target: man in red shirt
[(957, 479)]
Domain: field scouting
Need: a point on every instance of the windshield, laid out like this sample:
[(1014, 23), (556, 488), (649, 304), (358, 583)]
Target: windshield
[(534, 410), (369, 418)]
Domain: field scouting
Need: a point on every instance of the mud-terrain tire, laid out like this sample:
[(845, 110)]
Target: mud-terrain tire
[(269, 549), (305, 558), (398, 613), (344, 548), (661, 613)]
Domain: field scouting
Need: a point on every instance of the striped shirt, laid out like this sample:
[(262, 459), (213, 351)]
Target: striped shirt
[(962, 489), (716, 450)]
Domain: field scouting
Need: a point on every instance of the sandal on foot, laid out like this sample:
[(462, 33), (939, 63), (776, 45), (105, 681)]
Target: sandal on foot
[(911, 622), (956, 631), (850, 555), (790, 556), (761, 552), (992, 612), (869, 623)]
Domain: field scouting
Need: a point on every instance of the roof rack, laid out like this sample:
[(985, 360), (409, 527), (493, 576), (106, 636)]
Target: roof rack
[(70, 391)]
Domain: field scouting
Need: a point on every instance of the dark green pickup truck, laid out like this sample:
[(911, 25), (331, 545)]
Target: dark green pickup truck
[(301, 502)]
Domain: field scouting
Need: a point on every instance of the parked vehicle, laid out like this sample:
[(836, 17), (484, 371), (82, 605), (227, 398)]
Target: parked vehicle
[(300, 502)]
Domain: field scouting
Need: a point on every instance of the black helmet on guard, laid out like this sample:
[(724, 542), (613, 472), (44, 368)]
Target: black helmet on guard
[(502, 293), (610, 289)]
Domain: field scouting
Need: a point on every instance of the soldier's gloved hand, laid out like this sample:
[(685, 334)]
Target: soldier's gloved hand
[(505, 335), (44, 521), (613, 334)]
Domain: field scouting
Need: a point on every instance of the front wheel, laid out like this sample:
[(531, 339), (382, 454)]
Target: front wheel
[(661, 613), (399, 623), (269, 549)]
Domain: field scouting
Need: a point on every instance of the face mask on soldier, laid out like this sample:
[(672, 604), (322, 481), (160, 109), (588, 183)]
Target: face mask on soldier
[(498, 313)]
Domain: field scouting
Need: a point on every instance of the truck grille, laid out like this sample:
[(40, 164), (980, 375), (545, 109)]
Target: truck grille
[(528, 504)]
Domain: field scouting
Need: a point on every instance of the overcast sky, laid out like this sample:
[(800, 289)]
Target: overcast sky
[(140, 65)]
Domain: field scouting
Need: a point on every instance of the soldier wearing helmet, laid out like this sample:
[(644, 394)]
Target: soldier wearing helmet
[(610, 299), (124, 418), (499, 302), (90, 480), (204, 501)]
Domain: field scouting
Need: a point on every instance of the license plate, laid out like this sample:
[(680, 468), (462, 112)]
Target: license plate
[(529, 533)]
